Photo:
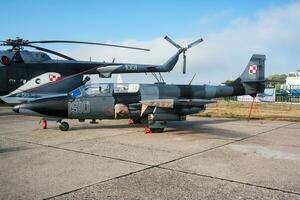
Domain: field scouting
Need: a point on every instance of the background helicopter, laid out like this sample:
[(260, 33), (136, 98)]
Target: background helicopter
[(22, 70), (18, 66)]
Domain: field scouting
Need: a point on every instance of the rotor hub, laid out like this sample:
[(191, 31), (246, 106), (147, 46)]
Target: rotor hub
[(16, 44)]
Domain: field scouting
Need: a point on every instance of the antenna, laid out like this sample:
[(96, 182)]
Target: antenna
[(192, 79)]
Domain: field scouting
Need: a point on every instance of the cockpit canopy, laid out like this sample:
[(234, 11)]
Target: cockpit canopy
[(102, 89), (7, 57), (31, 56), (126, 87)]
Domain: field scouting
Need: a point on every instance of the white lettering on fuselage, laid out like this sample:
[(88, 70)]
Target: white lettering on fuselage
[(131, 67), (79, 107)]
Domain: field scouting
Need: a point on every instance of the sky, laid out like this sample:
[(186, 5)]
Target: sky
[(232, 30)]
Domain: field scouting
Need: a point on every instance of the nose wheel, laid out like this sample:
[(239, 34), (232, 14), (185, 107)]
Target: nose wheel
[(63, 126), (155, 127)]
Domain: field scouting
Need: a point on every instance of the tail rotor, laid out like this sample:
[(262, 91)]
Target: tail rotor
[(183, 49)]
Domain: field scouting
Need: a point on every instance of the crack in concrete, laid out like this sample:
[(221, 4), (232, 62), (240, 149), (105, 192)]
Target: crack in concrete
[(230, 180), (114, 178)]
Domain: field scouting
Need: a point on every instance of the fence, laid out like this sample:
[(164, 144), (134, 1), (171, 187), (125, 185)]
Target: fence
[(291, 99), (279, 98)]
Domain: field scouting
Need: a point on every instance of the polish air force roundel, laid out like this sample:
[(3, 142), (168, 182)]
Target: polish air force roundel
[(252, 69)]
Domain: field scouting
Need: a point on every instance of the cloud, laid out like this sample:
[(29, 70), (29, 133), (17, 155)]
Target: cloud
[(223, 55)]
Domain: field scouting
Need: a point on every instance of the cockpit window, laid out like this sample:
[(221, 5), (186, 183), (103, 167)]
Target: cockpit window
[(97, 89), (126, 88)]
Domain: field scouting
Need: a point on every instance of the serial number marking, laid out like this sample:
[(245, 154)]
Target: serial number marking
[(79, 107), (131, 67)]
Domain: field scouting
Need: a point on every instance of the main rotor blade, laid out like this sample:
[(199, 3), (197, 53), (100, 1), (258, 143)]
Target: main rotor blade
[(49, 51), (195, 43), (172, 42), (92, 43), (4, 43)]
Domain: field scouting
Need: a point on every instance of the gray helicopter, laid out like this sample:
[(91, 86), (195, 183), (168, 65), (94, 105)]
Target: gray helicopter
[(22, 70), (156, 103)]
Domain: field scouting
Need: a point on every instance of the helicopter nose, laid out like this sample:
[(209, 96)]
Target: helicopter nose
[(16, 109)]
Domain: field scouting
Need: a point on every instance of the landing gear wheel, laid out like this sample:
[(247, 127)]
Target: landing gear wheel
[(64, 126), (137, 121), (157, 130)]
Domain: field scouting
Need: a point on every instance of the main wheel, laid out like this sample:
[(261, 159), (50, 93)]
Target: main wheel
[(157, 130), (64, 126), (137, 121)]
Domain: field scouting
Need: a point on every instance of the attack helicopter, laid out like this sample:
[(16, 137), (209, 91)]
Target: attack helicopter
[(51, 83), (21, 70), (157, 103)]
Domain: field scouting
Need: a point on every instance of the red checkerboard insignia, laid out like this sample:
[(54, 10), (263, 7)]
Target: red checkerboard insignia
[(252, 69), (53, 77)]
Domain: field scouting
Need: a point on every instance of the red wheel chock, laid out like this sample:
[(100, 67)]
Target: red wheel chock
[(147, 130), (130, 122), (44, 124)]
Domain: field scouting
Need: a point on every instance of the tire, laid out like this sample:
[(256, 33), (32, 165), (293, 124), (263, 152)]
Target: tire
[(64, 126), (157, 130), (137, 121)]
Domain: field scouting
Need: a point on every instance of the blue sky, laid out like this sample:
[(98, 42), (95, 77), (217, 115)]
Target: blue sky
[(119, 20), (222, 24)]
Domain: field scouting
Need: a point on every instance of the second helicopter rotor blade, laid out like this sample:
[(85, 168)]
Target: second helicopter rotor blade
[(184, 64), (49, 51), (172, 42), (195, 43), (91, 43)]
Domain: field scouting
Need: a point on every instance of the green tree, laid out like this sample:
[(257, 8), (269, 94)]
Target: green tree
[(275, 80), (228, 82)]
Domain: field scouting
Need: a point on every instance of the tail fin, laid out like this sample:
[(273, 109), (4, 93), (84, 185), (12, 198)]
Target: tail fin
[(255, 70), (252, 79)]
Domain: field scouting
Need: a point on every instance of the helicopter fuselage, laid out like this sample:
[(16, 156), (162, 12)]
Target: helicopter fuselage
[(18, 67)]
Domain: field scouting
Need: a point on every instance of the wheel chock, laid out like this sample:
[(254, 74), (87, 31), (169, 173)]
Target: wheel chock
[(130, 122), (147, 130), (44, 124)]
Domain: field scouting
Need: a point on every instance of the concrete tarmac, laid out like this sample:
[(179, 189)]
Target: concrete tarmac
[(201, 158)]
